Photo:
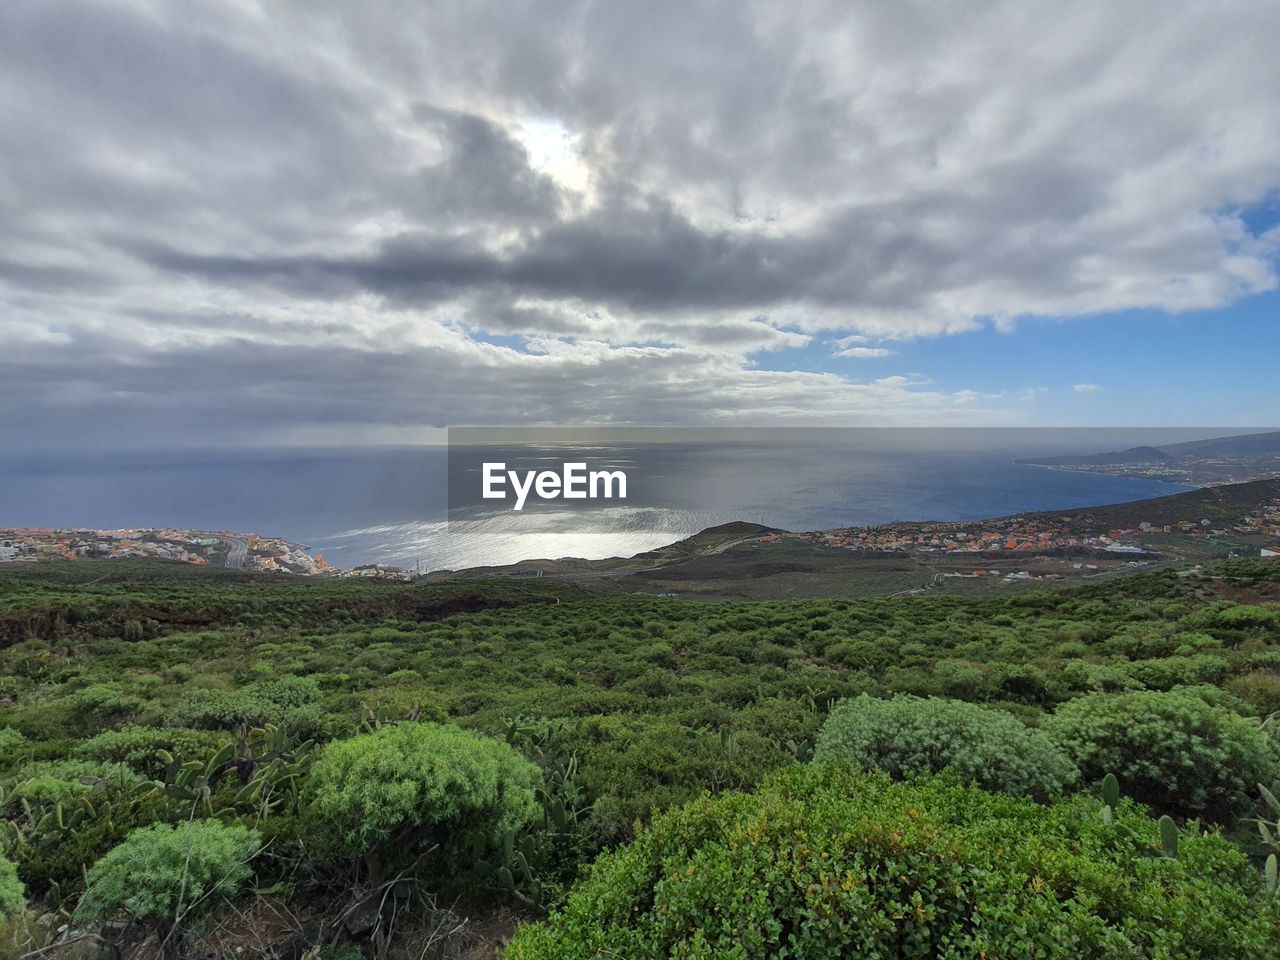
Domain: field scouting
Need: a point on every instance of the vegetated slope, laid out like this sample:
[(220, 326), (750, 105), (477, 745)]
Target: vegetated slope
[(627, 706), (47, 600), (710, 539), (1246, 445), (708, 542), (1226, 502)]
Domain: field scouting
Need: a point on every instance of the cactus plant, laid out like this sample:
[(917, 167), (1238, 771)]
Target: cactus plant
[(1168, 838), (1110, 790), (536, 864)]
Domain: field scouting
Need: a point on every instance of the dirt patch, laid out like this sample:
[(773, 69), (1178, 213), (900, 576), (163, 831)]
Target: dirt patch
[(491, 935), (255, 928)]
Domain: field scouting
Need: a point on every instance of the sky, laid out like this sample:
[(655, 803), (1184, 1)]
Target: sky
[(253, 223)]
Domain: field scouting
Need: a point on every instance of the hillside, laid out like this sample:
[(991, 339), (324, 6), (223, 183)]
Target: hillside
[(712, 539), (1132, 455), (1247, 445), (1214, 460), (141, 695), (749, 561), (1227, 502), (708, 542)]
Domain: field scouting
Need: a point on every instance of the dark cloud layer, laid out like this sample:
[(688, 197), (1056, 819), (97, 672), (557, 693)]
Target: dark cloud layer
[(236, 222)]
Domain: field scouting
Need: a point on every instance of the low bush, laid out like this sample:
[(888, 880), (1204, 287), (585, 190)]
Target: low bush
[(268, 701), (635, 765), (1173, 751), (101, 703), (161, 871), (62, 781), (13, 896), (56, 857), (1164, 673), (829, 863), (1260, 689), (1229, 620), (139, 747), (388, 794), (62, 815), (11, 740), (906, 736)]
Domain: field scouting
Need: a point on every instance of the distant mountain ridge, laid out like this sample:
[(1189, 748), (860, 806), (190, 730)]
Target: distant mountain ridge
[(1245, 445), (1248, 446), (1132, 455)]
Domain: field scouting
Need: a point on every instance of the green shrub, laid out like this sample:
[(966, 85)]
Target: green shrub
[(13, 896), (1024, 683), (65, 814), (62, 781), (1229, 619), (634, 765), (161, 870), (1173, 750), (1164, 673), (1194, 642), (387, 793), (959, 679), (104, 702), (11, 740), (139, 747), (268, 701), (1260, 689), (53, 856), (907, 735), (827, 863), (1215, 697)]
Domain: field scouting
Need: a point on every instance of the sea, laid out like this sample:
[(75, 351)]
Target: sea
[(420, 506)]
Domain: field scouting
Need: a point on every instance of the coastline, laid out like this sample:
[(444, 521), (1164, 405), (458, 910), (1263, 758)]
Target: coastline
[(1186, 487)]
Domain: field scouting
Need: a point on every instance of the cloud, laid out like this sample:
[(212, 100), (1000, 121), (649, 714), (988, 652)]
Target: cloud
[(262, 217), (1087, 388), (864, 353), (251, 390), (853, 346)]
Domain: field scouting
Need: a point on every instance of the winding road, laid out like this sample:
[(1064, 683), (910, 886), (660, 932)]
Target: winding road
[(237, 551)]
